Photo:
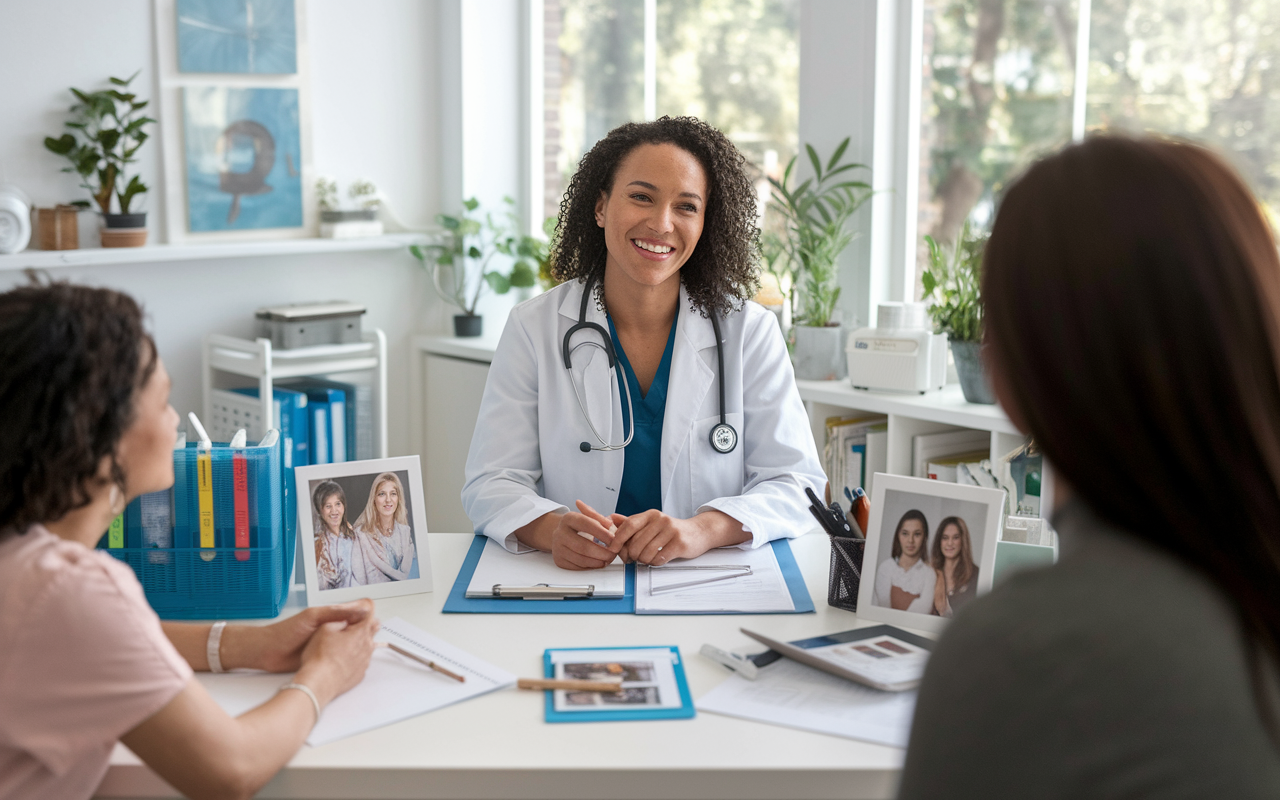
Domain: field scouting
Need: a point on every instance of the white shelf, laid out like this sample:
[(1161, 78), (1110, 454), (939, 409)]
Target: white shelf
[(946, 406), (472, 348), (94, 256)]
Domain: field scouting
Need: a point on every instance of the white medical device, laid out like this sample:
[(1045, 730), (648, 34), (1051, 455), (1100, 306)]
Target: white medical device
[(900, 354)]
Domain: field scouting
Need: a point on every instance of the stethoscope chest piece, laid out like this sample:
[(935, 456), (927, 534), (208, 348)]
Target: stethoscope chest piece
[(724, 438)]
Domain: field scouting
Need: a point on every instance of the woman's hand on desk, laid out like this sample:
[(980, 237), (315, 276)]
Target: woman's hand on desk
[(653, 537), (279, 647), (336, 657)]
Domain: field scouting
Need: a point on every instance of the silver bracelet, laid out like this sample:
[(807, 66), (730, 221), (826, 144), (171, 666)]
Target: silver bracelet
[(305, 690), (211, 648)]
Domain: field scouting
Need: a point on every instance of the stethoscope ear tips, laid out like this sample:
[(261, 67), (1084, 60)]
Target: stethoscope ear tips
[(585, 447)]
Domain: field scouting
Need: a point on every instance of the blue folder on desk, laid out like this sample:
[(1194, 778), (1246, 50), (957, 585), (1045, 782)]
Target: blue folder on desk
[(459, 603)]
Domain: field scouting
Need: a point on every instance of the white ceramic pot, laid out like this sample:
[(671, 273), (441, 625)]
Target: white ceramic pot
[(819, 353)]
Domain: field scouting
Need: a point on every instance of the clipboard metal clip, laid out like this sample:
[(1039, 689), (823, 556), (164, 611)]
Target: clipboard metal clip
[(543, 591)]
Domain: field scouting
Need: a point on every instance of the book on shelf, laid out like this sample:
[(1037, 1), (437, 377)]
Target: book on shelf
[(290, 411), (937, 447), (856, 448)]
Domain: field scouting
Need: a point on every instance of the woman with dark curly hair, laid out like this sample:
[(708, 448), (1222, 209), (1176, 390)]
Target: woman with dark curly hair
[(707, 443), (85, 426)]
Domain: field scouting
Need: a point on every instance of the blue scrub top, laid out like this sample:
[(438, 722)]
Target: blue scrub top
[(641, 487)]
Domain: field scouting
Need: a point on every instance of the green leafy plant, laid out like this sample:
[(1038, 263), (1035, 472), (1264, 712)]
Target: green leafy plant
[(953, 281), (817, 212), (474, 239), (106, 130), (540, 251)]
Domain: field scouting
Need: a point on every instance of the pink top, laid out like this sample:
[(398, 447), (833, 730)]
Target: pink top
[(83, 661)]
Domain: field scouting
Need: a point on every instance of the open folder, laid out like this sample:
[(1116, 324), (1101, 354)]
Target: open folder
[(488, 565)]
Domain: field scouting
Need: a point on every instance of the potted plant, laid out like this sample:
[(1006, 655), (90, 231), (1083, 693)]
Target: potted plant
[(816, 213), (106, 131), (475, 240), (953, 281)]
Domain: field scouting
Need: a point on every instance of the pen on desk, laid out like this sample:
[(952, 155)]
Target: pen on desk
[(569, 685), (423, 661), (204, 486)]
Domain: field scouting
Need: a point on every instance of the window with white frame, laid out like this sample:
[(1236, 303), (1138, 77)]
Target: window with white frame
[(1002, 85), (733, 63)]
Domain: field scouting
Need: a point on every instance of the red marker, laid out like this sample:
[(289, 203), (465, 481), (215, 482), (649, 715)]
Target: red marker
[(240, 493)]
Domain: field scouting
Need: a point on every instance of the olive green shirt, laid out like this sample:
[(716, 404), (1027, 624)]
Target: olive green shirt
[(1117, 672)]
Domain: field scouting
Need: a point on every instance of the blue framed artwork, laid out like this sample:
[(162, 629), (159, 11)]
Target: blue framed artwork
[(244, 158), (245, 36)]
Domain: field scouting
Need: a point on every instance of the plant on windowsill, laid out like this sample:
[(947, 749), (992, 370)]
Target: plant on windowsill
[(953, 281), (106, 133), (463, 262), (817, 213)]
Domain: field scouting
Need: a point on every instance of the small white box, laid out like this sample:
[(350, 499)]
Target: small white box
[(894, 357)]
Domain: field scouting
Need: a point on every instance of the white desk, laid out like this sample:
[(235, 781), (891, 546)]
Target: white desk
[(498, 746)]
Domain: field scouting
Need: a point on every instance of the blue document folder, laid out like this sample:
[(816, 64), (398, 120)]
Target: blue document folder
[(621, 712), (459, 603)]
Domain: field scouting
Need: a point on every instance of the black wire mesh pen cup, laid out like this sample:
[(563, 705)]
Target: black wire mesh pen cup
[(846, 572)]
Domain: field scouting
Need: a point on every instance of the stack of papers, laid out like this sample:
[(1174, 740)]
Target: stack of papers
[(762, 591), (394, 687), (793, 695)]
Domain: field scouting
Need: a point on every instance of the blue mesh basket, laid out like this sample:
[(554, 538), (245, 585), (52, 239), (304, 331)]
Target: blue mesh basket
[(183, 580)]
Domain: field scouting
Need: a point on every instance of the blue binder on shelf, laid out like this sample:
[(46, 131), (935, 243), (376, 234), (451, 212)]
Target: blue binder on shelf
[(291, 418), (621, 712), (459, 603), (348, 413)]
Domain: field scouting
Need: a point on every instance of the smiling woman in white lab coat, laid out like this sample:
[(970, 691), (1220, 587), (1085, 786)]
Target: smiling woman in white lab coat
[(612, 423)]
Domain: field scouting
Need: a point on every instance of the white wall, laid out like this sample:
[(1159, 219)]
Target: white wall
[(375, 92)]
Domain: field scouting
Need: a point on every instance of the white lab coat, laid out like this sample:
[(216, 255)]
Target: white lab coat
[(525, 459)]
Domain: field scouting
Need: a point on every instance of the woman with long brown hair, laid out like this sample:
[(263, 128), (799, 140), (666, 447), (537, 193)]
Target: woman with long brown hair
[(1132, 292), (334, 536), (952, 560)]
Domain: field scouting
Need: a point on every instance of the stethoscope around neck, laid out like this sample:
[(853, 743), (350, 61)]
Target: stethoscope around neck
[(723, 437)]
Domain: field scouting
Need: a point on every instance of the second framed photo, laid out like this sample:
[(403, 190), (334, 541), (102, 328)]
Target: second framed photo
[(931, 548), (363, 528)]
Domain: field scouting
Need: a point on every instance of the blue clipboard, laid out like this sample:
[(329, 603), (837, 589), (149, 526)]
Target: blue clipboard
[(459, 603), (621, 712)]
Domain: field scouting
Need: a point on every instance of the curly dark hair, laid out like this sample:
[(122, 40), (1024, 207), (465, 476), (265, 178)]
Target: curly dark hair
[(72, 359), (722, 270)]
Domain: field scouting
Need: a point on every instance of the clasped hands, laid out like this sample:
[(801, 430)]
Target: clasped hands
[(650, 537)]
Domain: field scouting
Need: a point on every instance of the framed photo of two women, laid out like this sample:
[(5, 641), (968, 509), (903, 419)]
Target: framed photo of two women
[(931, 548), (363, 528)]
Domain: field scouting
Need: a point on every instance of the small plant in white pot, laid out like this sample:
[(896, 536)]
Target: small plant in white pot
[(953, 284), (817, 213), (106, 132)]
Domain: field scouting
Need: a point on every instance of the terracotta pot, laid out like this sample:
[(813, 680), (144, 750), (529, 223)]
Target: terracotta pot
[(124, 230)]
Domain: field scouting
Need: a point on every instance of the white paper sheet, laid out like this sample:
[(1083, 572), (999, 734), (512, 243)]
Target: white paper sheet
[(394, 687), (764, 590), (793, 695), (497, 566)]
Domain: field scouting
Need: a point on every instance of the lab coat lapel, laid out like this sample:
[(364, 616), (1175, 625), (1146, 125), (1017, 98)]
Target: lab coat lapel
[(687, 387), (599, 389)]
